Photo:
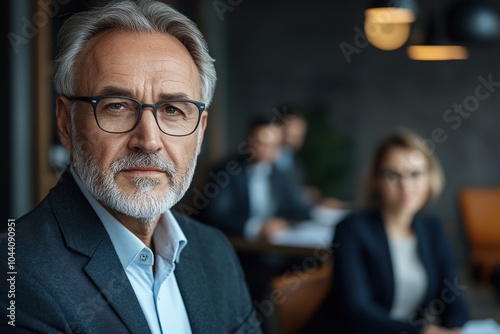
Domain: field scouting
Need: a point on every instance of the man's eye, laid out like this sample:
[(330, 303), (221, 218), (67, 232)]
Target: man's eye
[(171, 110), (116, 106)]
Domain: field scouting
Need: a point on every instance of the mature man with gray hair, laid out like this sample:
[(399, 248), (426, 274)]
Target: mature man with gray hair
[(103, 253)]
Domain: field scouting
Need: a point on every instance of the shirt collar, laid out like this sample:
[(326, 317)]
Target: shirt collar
[(168, 238), (260, 169)]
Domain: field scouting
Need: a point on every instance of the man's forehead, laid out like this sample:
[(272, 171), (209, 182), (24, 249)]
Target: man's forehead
[(122, 56), (122, 42)]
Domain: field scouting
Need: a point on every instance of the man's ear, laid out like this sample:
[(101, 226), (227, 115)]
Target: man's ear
[(203, 125), (63, 119)]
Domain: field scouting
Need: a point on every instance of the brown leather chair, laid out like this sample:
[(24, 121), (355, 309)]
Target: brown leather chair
[(480, 210), (299, 295)]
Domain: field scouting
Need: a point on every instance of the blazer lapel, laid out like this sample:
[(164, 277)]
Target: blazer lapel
[(85, 234), (105, 269), (384, 261), (425, 252), (194, 287), (241, 182), (277, 190)]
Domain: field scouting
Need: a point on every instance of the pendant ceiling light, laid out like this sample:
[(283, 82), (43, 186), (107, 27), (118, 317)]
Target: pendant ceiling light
[(388, 23), (433, 46)]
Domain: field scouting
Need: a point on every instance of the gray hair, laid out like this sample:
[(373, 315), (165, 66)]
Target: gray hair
[(141, 16)]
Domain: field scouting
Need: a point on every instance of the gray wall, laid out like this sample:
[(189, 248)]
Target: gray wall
[(289, 51)]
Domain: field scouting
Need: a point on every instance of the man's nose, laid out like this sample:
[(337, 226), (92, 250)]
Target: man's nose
[(147, 135)]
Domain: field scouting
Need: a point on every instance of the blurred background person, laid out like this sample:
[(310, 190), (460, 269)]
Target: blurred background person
[(259, 202), (289, 160), (295, 130), (393, 263)]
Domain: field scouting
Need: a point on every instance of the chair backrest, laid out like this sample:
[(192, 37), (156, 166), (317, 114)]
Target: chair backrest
[(480, 210), (301, 294)]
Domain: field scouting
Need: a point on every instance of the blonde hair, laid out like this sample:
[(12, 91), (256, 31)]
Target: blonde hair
[(400, 137)]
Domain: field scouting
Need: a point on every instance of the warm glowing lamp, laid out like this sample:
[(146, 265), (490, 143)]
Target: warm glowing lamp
[(388, 23), (435, 48), (437, 52), (387, 36)]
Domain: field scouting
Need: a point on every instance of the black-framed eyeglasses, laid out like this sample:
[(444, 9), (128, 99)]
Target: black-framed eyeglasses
[(120, 114), (393, 177)]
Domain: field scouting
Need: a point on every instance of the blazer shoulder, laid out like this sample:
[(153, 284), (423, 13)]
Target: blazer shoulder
[(429, 218), (202, 234), (431, 223), (363, 228), (35, 226), (358, 221), (41, 212)]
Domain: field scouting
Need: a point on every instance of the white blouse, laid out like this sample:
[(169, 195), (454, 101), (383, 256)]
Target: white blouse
[(410, 278)]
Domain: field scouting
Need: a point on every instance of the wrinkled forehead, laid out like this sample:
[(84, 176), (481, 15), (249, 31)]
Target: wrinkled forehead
[(126, 57)]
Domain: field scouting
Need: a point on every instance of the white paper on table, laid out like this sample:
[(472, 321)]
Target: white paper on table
[(328, 216), (306, 234), (483, 326)]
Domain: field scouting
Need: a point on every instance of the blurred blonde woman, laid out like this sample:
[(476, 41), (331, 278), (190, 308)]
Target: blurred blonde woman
[(394, 266)]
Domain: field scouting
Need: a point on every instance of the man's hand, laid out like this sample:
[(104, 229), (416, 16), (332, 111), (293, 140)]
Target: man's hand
[(273, 226), (432, 329), (333, 203)]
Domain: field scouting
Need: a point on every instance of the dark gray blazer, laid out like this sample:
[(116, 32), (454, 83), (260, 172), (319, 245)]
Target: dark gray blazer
[(70, 280), (230, 209)]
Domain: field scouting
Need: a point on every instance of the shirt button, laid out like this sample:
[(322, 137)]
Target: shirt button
[(144, 257)]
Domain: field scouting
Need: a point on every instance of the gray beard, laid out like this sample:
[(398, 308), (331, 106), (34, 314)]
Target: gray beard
[(143, 204)]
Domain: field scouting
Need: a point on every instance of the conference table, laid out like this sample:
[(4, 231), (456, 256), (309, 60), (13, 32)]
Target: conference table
[(301, 238)]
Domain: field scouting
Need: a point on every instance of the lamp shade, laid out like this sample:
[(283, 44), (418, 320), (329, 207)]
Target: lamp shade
[(437, 52), (435, 46), (473, 21), (387, 36), (388, 23)]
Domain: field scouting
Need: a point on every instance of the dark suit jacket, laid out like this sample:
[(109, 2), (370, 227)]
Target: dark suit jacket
[(230, 208), (363, 285), (69, 278)]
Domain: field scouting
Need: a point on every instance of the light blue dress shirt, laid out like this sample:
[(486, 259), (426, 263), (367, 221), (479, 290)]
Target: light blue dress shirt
[(285, 159), (261, 201), (157, 292)]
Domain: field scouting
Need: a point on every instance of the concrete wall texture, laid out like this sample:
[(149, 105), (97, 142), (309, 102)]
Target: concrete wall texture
[(291, 51)]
